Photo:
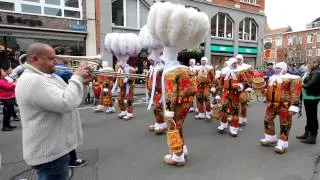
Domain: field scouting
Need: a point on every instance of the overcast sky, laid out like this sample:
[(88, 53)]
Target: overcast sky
[(296, 13)]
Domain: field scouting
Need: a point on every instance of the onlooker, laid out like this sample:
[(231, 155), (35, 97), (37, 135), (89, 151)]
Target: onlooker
[(293, 70), (269, 72), (51, 126), (62, 70), (7, 97), (311, 98)]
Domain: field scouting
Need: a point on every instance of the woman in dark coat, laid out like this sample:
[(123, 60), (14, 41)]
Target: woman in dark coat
[(311, 98)]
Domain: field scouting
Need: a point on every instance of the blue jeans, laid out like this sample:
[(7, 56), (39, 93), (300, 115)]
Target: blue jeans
[(54, 170)]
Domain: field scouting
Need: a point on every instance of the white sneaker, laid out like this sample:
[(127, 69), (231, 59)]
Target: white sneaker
[(200, 116), (281, 147), (222, 127), (269, 140), (129, 116), (233, 131), (208, 115), (191, 110), (122, 114), (173, 159), (110, 110), (160, 128)]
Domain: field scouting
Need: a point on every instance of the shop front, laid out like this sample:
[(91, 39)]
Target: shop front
[(14, 41), (249, 55), (220, 54)]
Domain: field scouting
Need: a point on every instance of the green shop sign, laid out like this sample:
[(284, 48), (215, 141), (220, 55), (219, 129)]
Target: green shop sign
[(221, 48), (248, 50)]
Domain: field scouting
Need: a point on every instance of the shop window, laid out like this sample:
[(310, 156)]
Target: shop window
[(318, 52), (53, 2), (309, 39), (71, 3), (74, 14), (30, 8), (248, 30), (8, 6), (309, 52), (222, 26), (279, 41), (52, 11), (117, 13)]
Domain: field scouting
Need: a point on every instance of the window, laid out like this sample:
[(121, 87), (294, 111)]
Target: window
[(279, 41), (74, 14), (52, 11), (309, 52), (249, 1), (118, 13), (318, 52), (71, 3), (294, 40), (53, 2), (309, 39), (248, 30), (31, 9), (9, 6), (290, 40), (57, 8), (300, 39), (222, 26), (268, 39), (318, 39)]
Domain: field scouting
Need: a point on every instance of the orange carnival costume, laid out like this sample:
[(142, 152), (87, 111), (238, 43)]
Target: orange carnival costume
[(244, 96), (283, 99), (153, 83), (204, 80), (104, 85), (193, 68), (232, 83), (122, 46), (177, 28)]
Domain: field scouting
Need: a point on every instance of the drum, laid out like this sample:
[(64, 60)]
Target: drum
[(258, 83), (230, 84), (244, 97)]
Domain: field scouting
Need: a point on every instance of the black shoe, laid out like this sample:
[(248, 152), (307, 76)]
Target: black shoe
[(16, 119), (78, 163), (304, 136), (311, 139), (12, 127), (7, 129)]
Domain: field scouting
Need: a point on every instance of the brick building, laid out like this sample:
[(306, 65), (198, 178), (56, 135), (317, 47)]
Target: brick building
[(293, 46), (59, 23), (237, 26)]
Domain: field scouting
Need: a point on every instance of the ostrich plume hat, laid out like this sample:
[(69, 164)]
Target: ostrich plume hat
[(122, 44), (147, 41), (177, 26), (204, 59), (239, 57), (283, 66)]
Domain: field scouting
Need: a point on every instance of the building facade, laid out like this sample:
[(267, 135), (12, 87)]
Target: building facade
[(294, 47), (237, 26), (59, 23)]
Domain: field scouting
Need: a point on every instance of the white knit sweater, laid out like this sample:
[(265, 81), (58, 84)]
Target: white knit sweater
[(51, 125)]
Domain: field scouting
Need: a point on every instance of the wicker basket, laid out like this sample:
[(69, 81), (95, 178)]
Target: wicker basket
[(174, 139)]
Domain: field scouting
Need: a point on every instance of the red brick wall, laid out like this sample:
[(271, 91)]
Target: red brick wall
[(243, 6), (98, 25)]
